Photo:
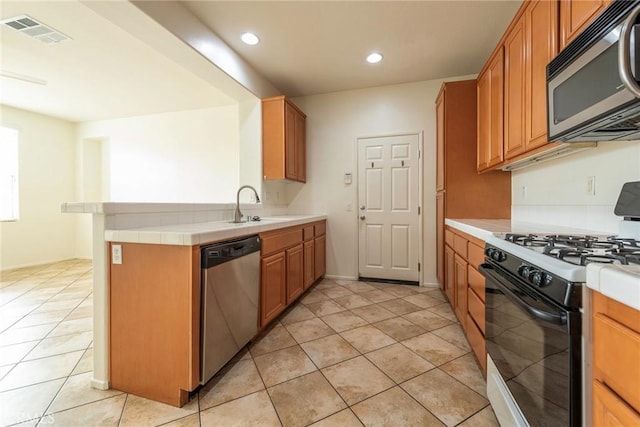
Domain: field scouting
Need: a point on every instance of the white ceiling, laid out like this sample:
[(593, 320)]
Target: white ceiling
[(307, 48), (104, 72), (310, 47)]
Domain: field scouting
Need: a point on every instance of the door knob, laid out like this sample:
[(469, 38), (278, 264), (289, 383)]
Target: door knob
[(362, 208), (363, 217)]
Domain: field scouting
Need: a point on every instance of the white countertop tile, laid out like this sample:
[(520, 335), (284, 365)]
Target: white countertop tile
[(205, 232), (618, 282)]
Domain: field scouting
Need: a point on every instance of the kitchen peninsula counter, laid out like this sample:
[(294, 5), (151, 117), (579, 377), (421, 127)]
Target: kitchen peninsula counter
[(205, 232), (177, 224)]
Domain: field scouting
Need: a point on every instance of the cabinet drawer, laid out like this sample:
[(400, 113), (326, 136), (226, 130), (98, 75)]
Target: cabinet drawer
[(476, 281), (616, 356), (610, 410), (321, 228), (448, 237), (476, 254), (280, 241), (460, 246), (307, 232), (476, 309), (476, 340)]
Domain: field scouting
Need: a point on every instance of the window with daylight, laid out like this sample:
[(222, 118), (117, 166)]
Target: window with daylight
[(8, 174)]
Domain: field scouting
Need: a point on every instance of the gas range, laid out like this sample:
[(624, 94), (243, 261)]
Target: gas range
[(581, 249), (567, 255)]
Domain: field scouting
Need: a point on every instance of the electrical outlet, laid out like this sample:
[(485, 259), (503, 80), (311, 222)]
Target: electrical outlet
[(349, 206), (116, 254), (523, 190), (591, 186)]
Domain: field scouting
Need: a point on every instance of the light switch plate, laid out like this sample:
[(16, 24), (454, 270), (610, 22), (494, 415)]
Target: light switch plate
[(116, 254)]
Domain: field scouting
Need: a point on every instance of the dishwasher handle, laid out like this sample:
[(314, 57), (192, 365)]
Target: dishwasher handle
[(219, 253)]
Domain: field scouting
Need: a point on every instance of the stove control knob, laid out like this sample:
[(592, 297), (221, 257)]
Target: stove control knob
[(497, 255), (541, 279), (523, 271), (489, 252)]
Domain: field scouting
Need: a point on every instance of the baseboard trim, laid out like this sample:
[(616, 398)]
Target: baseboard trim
[(36, 264), (336, 277), (99, 384)]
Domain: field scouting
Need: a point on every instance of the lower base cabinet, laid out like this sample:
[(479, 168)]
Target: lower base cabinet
[(292, 259), (464, 287), (273, 273), (616, 379)]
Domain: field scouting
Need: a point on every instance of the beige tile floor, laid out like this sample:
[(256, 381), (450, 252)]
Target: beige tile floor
[(347, 354)]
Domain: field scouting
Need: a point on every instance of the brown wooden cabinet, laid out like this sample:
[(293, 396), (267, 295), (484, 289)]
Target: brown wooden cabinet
[(465, 287), (292, 260), (450, 274), (515, 51), (273, 286), (465, 194), (541, 25), (490, 106), (154, 321), (320, 256), (616, 381), (309, 263), (295, 272), (283, 140), (460, 281), (575, 15), (539, 29), (440, 238)]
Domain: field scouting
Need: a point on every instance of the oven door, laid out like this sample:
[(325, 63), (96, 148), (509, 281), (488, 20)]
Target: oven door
[(535, 346)]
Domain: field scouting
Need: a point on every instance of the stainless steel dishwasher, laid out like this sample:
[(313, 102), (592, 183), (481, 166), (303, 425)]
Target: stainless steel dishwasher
[(230, 295)]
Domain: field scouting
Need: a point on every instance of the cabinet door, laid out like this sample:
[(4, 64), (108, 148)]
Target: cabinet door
[(295, 272), (290, 160), (440, 135), (320, 256), (484, 119), (461, 289), (514, 90), (300, 142), (309, 263), (575, 15), (611, 411), (541, 24), (490, 113), (273, 289), (440, 239), (497, 109), (450, 275)]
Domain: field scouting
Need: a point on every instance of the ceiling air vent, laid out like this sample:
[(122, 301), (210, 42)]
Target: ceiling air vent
[(29, 26)]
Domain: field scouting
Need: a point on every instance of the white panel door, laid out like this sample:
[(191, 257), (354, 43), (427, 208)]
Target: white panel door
[(388, 201)]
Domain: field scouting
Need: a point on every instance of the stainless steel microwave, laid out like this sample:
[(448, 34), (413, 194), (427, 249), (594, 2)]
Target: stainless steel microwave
[(593, 92)]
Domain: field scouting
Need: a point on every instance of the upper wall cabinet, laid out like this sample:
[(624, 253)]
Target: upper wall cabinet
[(490, 112), (283, 140), (531, 41), (577, 14)]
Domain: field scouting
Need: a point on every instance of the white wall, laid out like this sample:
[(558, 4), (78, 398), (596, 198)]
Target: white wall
[(556, 190), (184, 156), (46, 179), (334, 122)]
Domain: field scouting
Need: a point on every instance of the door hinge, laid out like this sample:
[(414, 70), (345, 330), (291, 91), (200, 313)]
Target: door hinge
[(418, 153), (418, 267), (418, 210)]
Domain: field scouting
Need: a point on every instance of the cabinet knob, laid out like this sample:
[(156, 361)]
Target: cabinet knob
[(363, 207), (363, 217)]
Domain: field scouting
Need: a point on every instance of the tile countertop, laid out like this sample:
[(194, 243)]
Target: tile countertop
[(619, 282), (205, 232)]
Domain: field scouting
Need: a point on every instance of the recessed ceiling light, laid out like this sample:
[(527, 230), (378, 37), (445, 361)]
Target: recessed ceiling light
[(250, 38), (374, 58)]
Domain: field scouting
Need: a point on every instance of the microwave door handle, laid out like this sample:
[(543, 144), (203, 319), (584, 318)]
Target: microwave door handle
[(545, 316), (624, 54)]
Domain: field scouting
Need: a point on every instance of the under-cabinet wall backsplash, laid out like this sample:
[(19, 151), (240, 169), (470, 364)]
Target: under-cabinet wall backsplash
[(578, 191)]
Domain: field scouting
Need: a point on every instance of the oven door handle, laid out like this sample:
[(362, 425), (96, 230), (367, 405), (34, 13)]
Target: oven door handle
[(489, 272)]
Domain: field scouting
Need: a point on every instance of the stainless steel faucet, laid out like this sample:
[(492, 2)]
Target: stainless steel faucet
[(237, 217)]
